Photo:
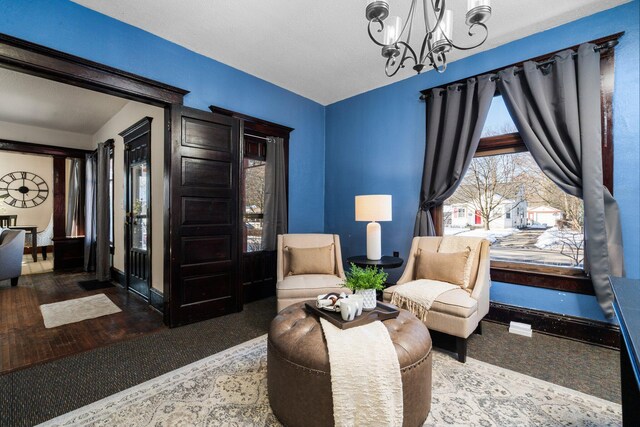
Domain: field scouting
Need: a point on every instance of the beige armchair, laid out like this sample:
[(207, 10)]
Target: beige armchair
[(291, 288), (457, 312)]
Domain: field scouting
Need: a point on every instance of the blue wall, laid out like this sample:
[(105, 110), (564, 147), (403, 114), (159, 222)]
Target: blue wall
[(74, 29), (375, 144)]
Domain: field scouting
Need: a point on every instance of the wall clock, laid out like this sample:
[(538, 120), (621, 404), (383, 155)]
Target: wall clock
[(23, 189)]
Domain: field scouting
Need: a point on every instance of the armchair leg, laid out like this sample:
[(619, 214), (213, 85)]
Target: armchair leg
[(478, 330), (14, 281), (461, 349), (44, 253)]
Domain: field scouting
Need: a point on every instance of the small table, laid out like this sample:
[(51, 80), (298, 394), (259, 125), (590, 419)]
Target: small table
[(384, 262), (34, 238)]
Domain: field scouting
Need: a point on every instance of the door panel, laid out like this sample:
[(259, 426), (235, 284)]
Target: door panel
[(205, 226), (137, 263)]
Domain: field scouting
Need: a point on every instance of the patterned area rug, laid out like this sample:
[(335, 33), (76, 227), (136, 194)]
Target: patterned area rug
[(230, 388), (76, 310)]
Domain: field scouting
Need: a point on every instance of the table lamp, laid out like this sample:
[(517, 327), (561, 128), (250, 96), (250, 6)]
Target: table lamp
[(375, 207)]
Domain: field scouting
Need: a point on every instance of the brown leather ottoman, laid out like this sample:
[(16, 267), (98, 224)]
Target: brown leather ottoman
[(298, 376)]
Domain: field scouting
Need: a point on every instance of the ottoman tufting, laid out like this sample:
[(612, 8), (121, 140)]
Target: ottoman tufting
[(298, 370)]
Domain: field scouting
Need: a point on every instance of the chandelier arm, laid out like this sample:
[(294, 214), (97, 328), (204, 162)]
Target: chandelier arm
[(429, 34), (391, 61), (373, 39), (486, 34)]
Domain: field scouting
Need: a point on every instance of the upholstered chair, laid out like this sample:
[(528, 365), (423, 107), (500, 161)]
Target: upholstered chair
[(308, 265), (11, 250), (456, 312), (44, 238)]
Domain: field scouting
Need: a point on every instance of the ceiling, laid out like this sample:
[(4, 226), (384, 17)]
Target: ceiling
[(318, 49), (34, 101)]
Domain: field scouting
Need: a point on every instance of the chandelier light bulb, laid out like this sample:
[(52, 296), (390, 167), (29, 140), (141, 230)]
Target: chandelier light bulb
[(444, 32), (392, 29)]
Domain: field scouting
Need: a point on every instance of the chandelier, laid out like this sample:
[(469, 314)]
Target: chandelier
[(438, 41)]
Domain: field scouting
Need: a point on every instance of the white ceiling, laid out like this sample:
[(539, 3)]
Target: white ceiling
[(319, 49), (34, 101)]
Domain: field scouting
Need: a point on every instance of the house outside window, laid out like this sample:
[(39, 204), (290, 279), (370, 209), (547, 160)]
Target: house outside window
[(527, 218)]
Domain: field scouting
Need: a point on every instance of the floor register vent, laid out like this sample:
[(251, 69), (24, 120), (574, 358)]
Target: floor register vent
[(520, 329)]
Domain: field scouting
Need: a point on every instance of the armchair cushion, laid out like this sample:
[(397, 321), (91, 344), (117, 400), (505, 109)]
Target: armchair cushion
[(309, 285), (445, 267), (311, 260), (456, 302), (451, 244)]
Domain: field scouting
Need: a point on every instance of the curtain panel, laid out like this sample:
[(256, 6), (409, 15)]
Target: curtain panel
[(275, 194), (556, 108), (455, 118), (75, 200), (90, 213)]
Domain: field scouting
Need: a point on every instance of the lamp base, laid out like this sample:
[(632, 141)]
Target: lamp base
[(374, 241)]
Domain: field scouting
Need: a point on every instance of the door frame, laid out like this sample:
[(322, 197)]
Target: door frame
[(30, 58)]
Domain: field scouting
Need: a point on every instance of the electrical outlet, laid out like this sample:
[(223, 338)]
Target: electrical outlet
[(396, 254)]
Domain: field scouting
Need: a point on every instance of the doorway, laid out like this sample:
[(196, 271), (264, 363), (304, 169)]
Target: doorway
[(137, 159)]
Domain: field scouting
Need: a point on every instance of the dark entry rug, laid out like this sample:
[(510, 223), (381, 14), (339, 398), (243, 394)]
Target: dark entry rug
[(92, 285)]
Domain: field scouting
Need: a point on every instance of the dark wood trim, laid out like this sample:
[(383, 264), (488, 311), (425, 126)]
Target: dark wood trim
[(518, 274), (156, 299), (118, 276), (31, 58), (49, 150), (492, 144), (59, 190), (68, 252), (256, 124), (575, 328), (540, 58)]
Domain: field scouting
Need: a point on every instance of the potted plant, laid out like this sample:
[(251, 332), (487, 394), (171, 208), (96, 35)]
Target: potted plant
[(365, 282)]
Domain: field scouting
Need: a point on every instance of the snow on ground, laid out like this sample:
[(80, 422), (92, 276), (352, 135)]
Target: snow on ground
[(490, 235), (554, 238)]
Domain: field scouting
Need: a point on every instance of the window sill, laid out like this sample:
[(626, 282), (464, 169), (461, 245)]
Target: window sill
[(559, 279)]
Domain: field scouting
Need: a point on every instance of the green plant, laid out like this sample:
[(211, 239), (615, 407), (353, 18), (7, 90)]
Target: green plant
[(365, 278)]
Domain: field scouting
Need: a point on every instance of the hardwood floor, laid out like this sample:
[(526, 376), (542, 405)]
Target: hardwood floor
[(24, 341)]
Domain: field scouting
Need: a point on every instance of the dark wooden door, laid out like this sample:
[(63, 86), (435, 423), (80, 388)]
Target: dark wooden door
[(137, 237), (205, 227)]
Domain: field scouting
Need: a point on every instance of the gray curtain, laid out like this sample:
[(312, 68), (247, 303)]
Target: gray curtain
[(275, 194), (556, 108), (75, 202), (455, 117), (90, 212), (96, 240)]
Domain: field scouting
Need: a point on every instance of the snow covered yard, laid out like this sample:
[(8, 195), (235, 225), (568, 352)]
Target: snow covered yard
[(554, 239), (490, 235)]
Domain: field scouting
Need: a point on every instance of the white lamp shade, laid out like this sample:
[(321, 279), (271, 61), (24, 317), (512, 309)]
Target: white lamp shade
[(375, 207)]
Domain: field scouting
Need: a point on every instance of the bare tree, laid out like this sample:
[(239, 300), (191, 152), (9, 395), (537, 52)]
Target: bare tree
[(490, 181)]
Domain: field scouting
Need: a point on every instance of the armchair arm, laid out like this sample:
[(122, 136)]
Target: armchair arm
[(11, 254), (483, 282), (408, 273)]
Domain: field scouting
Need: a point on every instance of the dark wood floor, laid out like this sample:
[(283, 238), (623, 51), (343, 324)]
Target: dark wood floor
[(24, 341)]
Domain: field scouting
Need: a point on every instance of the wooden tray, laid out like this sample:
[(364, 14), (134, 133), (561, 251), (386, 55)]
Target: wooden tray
[(381, 312)]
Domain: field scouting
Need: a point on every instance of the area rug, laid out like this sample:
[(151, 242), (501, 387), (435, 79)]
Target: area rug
[(93, 285), (76, 310), (230, 388)]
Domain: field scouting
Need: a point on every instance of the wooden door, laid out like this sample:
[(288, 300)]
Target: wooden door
[(137, 224), (204, 217)]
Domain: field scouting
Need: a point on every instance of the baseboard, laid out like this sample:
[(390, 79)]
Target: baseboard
[(156, 299), (117, 276), (576, 328)]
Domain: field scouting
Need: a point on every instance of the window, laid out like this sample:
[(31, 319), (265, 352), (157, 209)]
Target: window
[(254, 203)]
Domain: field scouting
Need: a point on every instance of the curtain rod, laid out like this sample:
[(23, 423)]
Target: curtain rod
[(256, 136), (603, 46)]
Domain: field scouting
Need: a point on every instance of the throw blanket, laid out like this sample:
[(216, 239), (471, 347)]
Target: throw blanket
[(365, 376), (418, 296)]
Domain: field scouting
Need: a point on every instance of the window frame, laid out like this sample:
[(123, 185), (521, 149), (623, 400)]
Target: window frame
[(254, 149), (556, 278)]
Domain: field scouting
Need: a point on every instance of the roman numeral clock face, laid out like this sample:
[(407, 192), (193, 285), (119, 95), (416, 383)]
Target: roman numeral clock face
[(23, 189)]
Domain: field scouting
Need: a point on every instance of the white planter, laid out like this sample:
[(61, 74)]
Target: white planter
[(369, 298)]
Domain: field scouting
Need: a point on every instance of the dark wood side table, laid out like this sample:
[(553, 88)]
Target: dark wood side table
[(34, 238), (626, 304), (384, 262)]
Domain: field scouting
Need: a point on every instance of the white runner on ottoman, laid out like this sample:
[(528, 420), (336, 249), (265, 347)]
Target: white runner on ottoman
[(365, 376), (76, 310)]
